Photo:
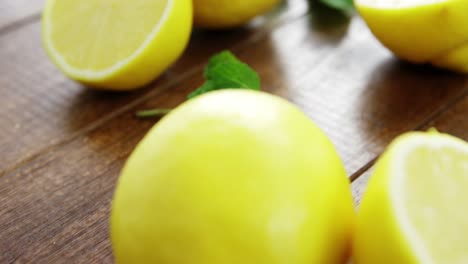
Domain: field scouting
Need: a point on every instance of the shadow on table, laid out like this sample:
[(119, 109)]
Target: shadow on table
[(89, 105), (125, 130), (332, 23), (401, 96)]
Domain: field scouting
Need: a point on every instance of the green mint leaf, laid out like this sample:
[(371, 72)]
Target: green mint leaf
[(233, 74), (343, 5), (223, 71), (206, 87), (223, 56), (153, 112)]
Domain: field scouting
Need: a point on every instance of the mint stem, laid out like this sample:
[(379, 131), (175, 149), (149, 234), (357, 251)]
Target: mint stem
[(153, 112)]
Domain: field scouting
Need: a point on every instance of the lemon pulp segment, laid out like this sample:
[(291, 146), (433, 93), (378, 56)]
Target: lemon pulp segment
[(433, 185), (115, 44), (101, 37), (413, 210)]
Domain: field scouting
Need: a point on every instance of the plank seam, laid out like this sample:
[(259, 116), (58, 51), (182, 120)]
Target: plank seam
[(423, 124), (18, 24)]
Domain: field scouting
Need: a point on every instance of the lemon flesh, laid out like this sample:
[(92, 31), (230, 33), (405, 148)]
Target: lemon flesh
[(115, 44), (226, 13), (413, 209), (421, 31), (233, 177)]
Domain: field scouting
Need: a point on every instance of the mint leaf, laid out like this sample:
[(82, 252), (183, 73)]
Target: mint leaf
[(223, 71), (153, 112), (206, 87), (223, 56), (343, 5)]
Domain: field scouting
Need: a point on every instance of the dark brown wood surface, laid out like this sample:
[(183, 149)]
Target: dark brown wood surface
[(62, 145), (452, 120)]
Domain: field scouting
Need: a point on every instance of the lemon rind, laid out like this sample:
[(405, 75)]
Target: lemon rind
[(372, 4)]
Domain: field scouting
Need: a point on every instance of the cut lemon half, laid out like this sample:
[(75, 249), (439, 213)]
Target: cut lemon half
[(421, 31), (414, 210), (115, 44)]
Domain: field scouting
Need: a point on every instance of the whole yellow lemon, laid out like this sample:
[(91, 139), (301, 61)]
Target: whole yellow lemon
[(233, 176)]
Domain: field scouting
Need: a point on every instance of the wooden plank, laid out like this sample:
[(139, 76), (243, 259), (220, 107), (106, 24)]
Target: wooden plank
[(56, 205), (453, 121), (14, 13), (359, 186), (40, 107), (359, 94)]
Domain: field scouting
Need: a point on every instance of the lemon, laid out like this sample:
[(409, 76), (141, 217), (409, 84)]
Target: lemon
[(233, 176), (421, 31), (115, 44), (414, 208), (226, 13)]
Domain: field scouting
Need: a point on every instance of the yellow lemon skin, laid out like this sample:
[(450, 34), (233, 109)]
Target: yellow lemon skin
[(456, 60), (425, 33), (233, 176), (218, 14), (154, 54)]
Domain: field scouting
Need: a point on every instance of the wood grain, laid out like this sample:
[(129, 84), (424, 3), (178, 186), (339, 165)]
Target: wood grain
[(55, 206), (453, 120), (63, 146), (41, 108)]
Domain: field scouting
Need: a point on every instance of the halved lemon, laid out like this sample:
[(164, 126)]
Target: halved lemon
[(115, 44), (421, 31), (414, 210)]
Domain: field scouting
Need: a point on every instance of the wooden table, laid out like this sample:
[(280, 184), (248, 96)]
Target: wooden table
[(62, 145)]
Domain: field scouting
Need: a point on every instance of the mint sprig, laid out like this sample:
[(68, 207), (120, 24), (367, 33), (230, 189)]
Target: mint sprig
[(342, 5), (153, 112), (223, 71)]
